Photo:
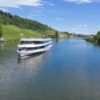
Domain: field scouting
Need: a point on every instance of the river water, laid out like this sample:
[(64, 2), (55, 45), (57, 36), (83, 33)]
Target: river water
[(69, 71)]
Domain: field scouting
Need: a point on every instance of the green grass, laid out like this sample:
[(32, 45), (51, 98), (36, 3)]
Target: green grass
[(13, 32)]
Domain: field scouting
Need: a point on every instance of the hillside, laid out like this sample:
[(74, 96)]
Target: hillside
[(13, 26), (7, 18), (18, 23), (11, 31)]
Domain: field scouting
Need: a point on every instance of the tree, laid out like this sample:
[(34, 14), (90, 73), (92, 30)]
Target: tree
[(56, 34), (1, 32)]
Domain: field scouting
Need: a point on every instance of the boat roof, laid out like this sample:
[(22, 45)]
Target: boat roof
[(35, 39)]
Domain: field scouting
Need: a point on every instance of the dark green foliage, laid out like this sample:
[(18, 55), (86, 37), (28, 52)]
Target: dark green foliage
[(97, 37), (1, 33), (56, 34)]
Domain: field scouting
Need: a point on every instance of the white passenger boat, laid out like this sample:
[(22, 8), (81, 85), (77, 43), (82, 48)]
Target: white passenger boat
[(29, 46)]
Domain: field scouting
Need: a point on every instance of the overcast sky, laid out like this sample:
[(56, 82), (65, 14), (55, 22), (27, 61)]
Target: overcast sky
[(78, 16)]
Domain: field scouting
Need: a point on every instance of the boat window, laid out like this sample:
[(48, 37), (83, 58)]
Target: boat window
[(20, 49), (31, 42)]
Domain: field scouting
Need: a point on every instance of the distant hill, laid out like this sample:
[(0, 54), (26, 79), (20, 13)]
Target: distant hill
[(20, 25)]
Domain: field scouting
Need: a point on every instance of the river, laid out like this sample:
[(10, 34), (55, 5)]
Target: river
[(69, 71)]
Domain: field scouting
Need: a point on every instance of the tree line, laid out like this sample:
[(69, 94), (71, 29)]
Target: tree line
[(94, 38)]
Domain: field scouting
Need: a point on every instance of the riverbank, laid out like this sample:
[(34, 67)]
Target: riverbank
[(90, 39), (11, 32), (94, 38)]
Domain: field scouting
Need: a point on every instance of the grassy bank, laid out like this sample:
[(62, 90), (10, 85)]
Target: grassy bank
[(11, 32)]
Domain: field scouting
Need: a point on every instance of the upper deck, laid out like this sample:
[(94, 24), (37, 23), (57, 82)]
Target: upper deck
[(35, 39), (34, 42)]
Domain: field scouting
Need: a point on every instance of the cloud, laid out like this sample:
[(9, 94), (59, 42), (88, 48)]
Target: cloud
[(81, 29), (49, 3), (82, 1), (19, 3), (4, 9), (83, 25)]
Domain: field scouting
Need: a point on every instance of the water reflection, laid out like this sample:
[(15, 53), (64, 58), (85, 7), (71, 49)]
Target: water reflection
[(1, 45), (32, 64), (19, 77), (56, 40), (34, 60)]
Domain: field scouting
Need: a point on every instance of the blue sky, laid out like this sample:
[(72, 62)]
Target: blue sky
[(78, 16)]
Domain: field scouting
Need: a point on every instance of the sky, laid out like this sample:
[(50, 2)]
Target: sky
[(75, 16)]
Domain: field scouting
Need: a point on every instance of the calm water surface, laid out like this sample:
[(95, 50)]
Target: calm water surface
[(69, 71)]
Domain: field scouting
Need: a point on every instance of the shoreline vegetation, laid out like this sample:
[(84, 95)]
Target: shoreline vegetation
[(11, 32), (94, 38), (13, 27)]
